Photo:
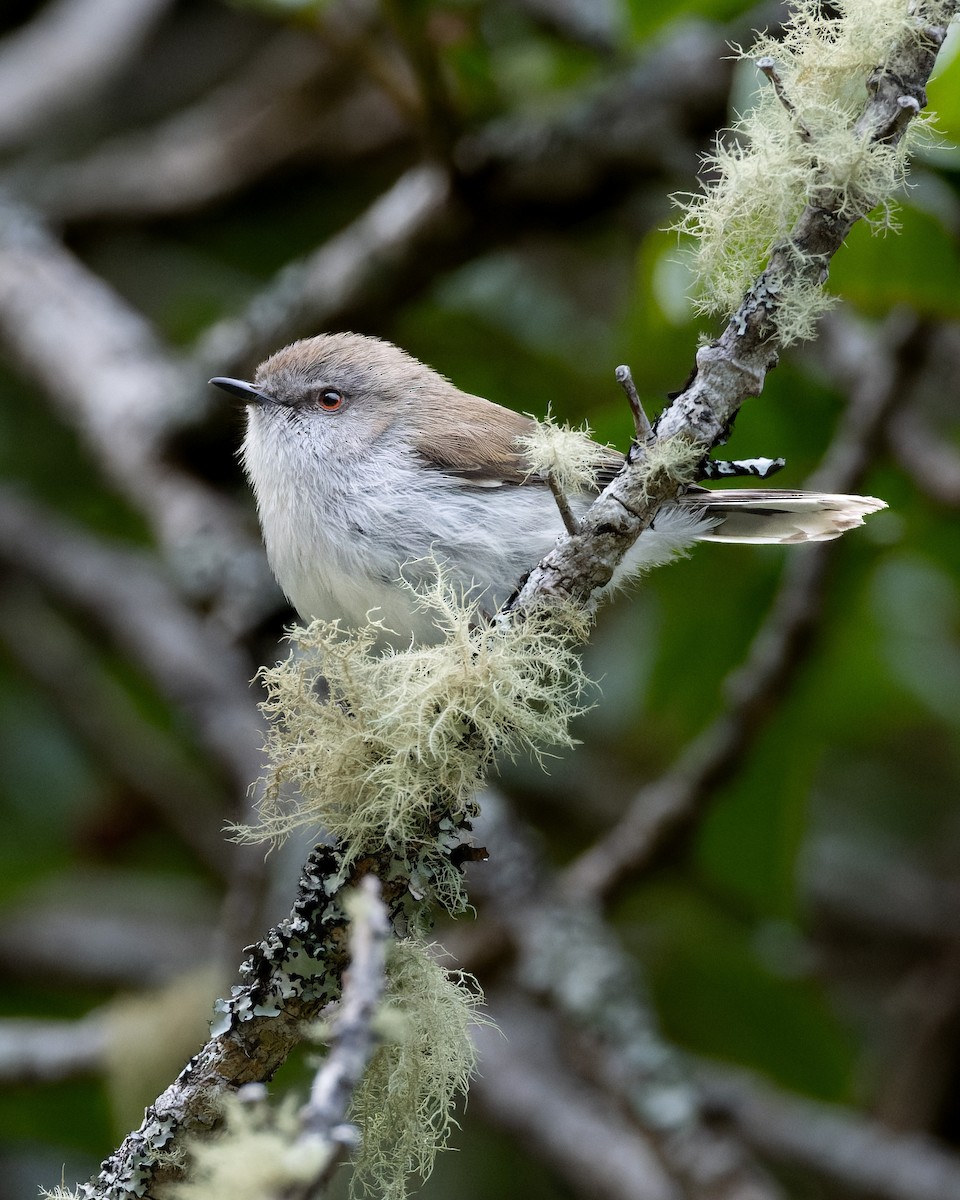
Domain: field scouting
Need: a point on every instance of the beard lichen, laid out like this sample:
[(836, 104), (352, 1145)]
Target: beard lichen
[(809, 150), (404, 1106), (386, 750)]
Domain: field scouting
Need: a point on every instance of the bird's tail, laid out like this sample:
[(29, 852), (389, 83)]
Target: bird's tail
[(774, 516)]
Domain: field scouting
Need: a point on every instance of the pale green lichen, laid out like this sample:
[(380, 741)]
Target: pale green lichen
[(670, 462), (569, 455), (782, 158), (404, 1106), (260, 1151), (377, 748)]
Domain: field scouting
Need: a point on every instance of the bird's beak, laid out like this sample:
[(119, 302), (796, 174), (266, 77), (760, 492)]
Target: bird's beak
[(246, 393)]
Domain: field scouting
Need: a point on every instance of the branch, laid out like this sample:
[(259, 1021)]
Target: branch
[(109, 377), (387, 239), (734, 367), (69, 52), (850, 1151), (288, 978), (778, 649)]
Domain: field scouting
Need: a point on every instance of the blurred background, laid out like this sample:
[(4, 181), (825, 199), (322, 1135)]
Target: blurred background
[(764, 804)]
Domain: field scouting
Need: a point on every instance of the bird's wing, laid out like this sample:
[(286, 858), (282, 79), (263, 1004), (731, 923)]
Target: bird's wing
[(477, 442)]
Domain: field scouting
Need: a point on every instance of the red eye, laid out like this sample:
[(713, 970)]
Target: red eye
[(330, 399)]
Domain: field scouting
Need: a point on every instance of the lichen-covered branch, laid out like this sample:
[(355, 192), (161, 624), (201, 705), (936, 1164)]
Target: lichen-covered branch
[(734, 367)]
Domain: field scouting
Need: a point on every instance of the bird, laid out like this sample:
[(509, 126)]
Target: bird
[(371, 471)]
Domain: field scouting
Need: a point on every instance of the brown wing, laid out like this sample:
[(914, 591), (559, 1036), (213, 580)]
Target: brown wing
[(476, 440)]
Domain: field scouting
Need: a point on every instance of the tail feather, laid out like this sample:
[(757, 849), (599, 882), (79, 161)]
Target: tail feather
[(778, 517)]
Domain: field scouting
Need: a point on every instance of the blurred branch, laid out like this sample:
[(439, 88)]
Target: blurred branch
[(596, 24), (646, 120), (381, 245), (425, 217), (565, 956), (145, 761), (51, 1051), (104, 368), (73, 943), (848, 1150), (296, 98), (524, 1087), (933, 464), (877, 894), (121, 591), (69, 52), (755, 688)]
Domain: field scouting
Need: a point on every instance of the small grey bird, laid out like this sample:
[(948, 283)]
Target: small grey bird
[(369, 468)]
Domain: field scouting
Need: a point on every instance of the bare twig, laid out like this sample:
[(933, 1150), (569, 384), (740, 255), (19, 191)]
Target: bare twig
[(570, 522), (641, 422)]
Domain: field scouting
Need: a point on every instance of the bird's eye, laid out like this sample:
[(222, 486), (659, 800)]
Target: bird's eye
[(330, 399)]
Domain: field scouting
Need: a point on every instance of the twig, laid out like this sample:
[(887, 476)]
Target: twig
[(769, 68), (641, 422), (353, 1038), (570, 522)]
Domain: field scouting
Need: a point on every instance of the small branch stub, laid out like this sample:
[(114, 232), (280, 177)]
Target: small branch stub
[(768, 66), (641, 422)]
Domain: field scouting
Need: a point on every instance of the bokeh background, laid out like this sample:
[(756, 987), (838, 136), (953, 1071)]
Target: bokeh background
[(185, 186)]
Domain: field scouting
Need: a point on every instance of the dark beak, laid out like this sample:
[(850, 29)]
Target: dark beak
[(246, 393)]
